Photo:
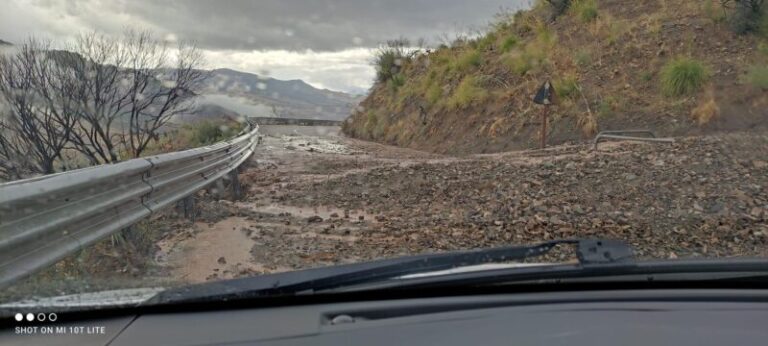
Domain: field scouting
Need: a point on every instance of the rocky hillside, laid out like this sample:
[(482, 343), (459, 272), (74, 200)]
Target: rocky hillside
[(674, 66)]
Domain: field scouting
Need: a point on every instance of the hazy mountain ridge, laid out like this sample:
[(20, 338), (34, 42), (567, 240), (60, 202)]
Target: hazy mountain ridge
[(253, 95)]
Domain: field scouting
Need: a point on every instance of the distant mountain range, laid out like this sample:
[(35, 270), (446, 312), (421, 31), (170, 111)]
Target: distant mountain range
[(229, 92), (5, 43)]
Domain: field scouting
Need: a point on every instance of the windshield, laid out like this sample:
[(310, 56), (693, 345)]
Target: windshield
[(153, 145)]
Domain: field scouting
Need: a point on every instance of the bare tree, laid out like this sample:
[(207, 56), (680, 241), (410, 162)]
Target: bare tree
[(128, 89), (102, 97), (34, 127), (159, 92)]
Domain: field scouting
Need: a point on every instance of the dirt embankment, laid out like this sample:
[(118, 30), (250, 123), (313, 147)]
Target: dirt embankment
[(607, 67)]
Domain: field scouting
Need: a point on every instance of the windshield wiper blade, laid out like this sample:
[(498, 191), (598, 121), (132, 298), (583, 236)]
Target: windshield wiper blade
[(589, 251)]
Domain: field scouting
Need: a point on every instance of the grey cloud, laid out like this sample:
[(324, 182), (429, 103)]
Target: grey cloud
[(320, 25)]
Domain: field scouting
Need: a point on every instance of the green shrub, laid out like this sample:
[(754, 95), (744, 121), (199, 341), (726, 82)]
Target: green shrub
[(545, 36), (583, 58), (519, 64), (616, 29), (683, 76), (566, 87), (434, 93), (757, 76), (468, 59), (609, 106), (390, 57), (209, 132), (604, 109), (466, 93), (509, 43), (531, 58), (586, 10), (486, 41), (371, 121), (396, 82), (646, 76)]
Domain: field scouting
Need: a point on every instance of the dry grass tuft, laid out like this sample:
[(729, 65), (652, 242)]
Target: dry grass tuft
[(706, 111)]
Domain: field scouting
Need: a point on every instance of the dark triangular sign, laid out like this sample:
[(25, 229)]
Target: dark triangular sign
[(544, 95)]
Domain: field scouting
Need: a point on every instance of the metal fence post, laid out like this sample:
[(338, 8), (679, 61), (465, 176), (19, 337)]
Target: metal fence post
[(186, 206), (237, 189)]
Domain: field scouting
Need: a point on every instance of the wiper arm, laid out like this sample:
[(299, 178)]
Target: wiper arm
[(590, 251)]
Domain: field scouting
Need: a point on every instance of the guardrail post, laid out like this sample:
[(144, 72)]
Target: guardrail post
[(237, 189), (186, 206)]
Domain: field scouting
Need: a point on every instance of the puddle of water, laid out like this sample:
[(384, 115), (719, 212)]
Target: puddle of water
[(200, 257)]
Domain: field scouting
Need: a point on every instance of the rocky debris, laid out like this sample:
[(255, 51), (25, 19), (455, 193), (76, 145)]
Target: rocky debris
[(314, 218), (222, 260), (700, 197)]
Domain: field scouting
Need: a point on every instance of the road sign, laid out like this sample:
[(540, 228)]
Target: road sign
[(545, 95)]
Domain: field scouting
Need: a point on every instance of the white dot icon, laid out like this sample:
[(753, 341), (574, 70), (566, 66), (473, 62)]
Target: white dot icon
[(30, 317), (19, 317)]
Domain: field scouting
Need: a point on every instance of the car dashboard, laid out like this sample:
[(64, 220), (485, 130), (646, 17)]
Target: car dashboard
[(641, 317)]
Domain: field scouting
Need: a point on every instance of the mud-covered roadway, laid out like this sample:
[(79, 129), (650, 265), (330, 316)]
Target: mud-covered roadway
[(314, 198)]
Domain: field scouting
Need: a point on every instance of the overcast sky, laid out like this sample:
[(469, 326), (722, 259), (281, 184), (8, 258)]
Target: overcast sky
[(327, 43)]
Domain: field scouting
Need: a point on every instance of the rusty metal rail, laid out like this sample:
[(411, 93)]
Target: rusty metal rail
[(621, 135)]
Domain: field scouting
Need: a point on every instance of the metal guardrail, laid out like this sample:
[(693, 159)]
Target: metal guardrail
[(44, 219), (619, 134)]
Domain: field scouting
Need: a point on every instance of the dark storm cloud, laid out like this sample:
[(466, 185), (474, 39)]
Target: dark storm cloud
[(321, 25)]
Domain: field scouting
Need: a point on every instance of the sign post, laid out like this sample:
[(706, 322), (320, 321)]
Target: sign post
[(544, 96)]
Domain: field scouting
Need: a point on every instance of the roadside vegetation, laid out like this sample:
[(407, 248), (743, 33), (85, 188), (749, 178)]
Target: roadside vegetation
[(683, 76), (610, 62)]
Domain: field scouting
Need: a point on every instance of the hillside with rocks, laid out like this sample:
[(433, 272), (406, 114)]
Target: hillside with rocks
[(678, 67)]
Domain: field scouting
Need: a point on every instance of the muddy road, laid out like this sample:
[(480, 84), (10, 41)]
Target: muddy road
[(314, 198)]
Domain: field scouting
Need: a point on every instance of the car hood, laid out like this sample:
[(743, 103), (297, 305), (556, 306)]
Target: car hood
[(100, 299)]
